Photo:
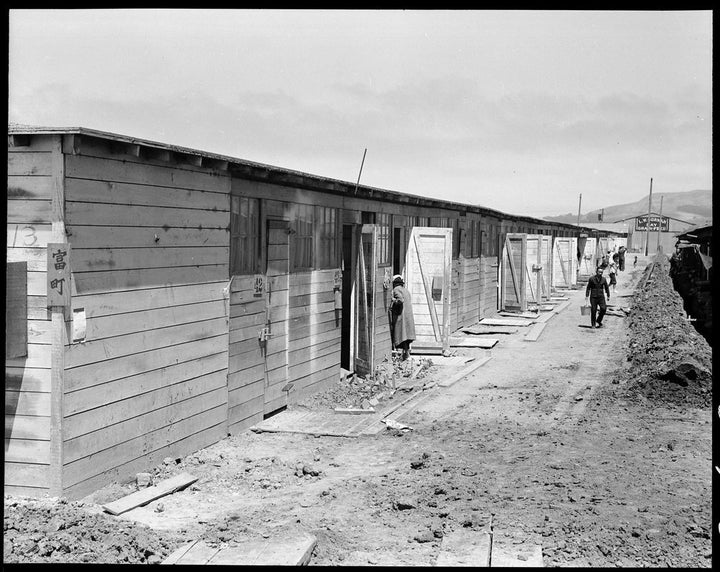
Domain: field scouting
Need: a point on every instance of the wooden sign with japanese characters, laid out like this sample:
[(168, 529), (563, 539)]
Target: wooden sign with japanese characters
[(58, 274)]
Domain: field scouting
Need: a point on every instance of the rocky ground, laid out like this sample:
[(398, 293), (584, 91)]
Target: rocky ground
[(581, 442)]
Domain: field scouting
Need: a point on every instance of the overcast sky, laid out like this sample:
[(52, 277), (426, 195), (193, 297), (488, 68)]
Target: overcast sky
[(519, 111)]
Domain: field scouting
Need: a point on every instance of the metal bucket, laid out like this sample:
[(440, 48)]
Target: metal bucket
[(585, 310)]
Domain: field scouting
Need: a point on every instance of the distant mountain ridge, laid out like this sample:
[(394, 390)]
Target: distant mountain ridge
[(694, 207)]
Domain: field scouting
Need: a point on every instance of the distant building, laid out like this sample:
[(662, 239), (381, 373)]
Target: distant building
[(638, 237)]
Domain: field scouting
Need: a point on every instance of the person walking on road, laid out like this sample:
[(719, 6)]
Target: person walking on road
[(596, 289), (402, 321), (635, 262)]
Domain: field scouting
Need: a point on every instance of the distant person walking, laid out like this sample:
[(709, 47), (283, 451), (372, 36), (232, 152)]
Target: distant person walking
[(635, 261), (596, 289), (612, 271), (402, 321)]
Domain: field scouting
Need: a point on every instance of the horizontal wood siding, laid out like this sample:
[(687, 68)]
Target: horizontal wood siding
[(315, 332), (150, 263), (469, 303), (246, 369), (488, 286), (27, 379)]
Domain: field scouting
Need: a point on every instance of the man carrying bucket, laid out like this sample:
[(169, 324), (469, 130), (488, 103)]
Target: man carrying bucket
[(594, 292)]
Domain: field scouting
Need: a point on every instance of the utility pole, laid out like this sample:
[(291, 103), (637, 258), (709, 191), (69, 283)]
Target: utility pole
[(647, 227), (360, 173), (579, 205), (657, 249)]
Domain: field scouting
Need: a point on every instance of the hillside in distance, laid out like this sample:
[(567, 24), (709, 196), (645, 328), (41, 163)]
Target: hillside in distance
[(694, 207)]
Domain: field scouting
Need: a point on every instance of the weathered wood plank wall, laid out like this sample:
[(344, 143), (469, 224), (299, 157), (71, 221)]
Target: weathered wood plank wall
[(27, 379), (150, 243)]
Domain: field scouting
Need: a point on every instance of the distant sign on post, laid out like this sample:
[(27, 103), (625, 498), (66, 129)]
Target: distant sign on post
[(657, 223), (58, 274)]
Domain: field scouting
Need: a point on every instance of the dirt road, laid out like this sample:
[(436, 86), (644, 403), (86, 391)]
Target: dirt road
[(540, 437)]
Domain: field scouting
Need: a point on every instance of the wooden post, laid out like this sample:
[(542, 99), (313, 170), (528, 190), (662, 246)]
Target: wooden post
[(647, 223), (59, 333)]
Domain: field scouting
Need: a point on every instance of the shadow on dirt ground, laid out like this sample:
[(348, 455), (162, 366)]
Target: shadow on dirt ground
[(561, 442)]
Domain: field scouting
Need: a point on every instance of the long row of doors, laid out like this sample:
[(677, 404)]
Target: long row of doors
[(531, 267)]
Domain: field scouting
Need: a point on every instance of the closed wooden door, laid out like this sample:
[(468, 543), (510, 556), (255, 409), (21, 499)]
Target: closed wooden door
[(276, 309)]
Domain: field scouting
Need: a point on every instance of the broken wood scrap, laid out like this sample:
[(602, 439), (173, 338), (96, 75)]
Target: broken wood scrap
[(145, 496)]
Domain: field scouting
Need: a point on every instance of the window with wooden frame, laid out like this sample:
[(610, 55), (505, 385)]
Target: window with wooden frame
[(384, 227), (302, 257), (326, 228), (244, 235)]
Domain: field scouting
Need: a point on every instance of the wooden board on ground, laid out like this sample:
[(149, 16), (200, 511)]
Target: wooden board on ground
[(145, 496), (467, 371), (465, 547), (426, 350), (284, 552), (516, 556), (534, 332), (473, 342), (482, 330), (562, 306), (451, 360), (561, 298), (530, 315), (505, 322)]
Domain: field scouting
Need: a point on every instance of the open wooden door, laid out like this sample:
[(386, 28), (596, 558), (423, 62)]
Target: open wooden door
[(513, 274), (565, 262), (589, 257), (428, 277), (365, 310), (276, 314), (533, 269)]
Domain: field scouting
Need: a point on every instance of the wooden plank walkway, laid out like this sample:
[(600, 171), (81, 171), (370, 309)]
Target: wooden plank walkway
[(465, 547), (505, 322), (534, 332), (467, 371), (327, 423), (292, 552), (466, 342)]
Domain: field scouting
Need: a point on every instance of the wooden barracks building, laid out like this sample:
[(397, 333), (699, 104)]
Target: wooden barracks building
[(161, 298)]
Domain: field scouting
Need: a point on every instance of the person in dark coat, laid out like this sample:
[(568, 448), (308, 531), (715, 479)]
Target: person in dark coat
[(621, 261), (596, 289), (402, 321)]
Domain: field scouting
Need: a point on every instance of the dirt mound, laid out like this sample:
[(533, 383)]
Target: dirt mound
[(59, 531), (669, 361)]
